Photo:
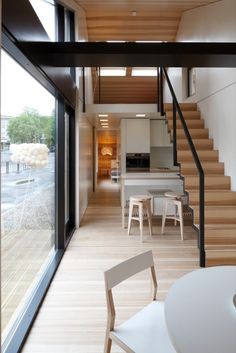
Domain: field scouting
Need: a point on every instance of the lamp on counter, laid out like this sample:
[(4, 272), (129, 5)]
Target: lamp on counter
[(106, 151)]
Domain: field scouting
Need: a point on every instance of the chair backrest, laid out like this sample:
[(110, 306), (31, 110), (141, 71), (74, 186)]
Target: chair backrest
[(128, 268), (123, 271)]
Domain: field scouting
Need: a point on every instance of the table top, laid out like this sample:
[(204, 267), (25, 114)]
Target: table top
[(200, 311), (158, 192)]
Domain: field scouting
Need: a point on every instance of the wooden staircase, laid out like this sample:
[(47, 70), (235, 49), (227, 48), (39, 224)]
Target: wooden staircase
[(220, 201)]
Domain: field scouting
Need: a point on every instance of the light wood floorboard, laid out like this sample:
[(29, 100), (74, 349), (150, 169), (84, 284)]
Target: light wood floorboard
[(73, 315)]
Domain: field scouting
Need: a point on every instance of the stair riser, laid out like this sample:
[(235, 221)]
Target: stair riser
[(224, 185), (215, 219), (191, 124), (188, 115), (183, 106), (220, 237), (214, 200), (200, 144), (193, 171), (195, 134), (221, 258), (213, 203), (186, 156)]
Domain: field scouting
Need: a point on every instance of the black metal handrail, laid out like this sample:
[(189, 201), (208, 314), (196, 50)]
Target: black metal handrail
[(176, 107)]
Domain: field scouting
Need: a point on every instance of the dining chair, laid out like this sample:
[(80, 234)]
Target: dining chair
[(146, 331)]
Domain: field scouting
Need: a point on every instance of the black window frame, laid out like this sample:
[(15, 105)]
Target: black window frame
[(63, 233)]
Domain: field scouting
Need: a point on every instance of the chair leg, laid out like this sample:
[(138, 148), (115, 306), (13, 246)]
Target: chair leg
[(140, 207), (149, 216), (176, 214), (130, 216), (108, 343), (164, 216), (180, 209)]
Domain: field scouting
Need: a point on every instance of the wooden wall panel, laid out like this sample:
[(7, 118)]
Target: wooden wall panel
[(125, 89), (137, 20)]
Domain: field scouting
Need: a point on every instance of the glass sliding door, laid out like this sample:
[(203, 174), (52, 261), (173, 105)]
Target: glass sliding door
[(69, 171), (27, 187)]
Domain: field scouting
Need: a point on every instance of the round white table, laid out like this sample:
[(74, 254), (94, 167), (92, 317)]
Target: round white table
[(200, 311)]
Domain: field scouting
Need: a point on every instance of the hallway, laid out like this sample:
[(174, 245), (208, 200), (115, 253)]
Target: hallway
[(73, 316)]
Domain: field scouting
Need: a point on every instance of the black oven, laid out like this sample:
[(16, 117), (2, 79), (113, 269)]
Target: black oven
[(137, 162)]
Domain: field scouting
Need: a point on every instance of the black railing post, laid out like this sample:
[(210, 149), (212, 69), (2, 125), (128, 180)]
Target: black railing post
[(83, 74), (99, 85), (201, 242), (174, 135), (202, 219), (161, 92), (158, 89)]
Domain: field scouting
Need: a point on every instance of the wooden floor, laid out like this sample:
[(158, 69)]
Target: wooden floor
[(25, 254), (73, 316)]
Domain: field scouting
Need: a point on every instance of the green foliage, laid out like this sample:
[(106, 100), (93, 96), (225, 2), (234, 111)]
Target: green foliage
[(31, 127)]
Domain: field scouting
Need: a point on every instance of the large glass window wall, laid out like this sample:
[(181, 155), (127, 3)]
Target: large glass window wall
[(27, 187)]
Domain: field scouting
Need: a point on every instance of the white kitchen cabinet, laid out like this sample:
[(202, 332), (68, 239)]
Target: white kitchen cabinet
[(159, 136), (137, 135)]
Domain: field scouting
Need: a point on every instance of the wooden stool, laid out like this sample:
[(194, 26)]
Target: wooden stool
[(143, 202), (173, 198)]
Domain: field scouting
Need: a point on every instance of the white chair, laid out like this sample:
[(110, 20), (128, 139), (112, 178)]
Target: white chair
[(173, 199), (143, 203), (146, 331)]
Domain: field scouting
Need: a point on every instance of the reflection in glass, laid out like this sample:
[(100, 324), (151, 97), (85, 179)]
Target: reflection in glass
[(45, 10), (27, 187)]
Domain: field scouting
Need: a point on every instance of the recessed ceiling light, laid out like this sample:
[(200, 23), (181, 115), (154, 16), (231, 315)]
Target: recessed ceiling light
[(105, 126), (134, 13), (144, 71), (149, 41), (140, 115), (112, 71), (103, 115), (103, 119)]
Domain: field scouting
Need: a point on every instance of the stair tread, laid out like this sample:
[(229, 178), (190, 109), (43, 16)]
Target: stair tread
[(196, 122), (215, 208), (221, 247), (213, 192), (183, 106), (213, 197), (206, 155), (201, 152), (204, 163), (212, 182), (187, 114), (221, 226), (213, 176), (216, 214)]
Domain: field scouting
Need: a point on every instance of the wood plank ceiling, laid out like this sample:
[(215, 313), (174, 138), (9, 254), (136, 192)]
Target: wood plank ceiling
[(134, 20)]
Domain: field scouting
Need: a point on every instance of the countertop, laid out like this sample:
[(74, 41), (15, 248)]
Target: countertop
[(151, 175)]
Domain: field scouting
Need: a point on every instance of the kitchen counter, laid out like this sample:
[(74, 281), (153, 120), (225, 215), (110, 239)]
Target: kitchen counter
[(153, 173), (140, 183)]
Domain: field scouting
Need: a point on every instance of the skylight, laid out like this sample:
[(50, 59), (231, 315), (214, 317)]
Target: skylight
[(144, 71), (112, 71)]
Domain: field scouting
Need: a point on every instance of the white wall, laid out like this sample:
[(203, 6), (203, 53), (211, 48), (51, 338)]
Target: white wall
[(215, 88), (85, 164)]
